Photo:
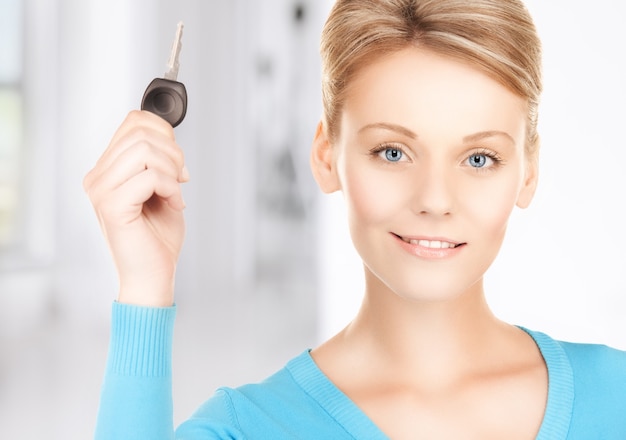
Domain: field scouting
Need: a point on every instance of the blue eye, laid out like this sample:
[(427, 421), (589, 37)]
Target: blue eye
[(390, 153), (393, 154), (479, 160)]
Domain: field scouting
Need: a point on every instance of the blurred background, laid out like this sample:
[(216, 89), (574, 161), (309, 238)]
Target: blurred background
[(267, 269)]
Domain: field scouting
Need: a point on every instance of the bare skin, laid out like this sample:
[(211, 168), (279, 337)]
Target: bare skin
[(135, 191), (431, 149), (438, 371)]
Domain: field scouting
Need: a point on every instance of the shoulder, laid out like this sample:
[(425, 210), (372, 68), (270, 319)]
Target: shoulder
[(599, 374), (236, 413), (594, 368), (589, 363), (598, 352), (596, 364), (587, 387), (232, 406), (275, 408)]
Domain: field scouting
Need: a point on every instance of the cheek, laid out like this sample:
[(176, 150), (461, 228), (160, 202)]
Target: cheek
[(372, 196), (490, 206)]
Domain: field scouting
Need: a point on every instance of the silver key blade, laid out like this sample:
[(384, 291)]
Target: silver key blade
[(172, 64)]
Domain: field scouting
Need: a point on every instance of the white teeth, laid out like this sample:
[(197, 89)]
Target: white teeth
[(435, 244)]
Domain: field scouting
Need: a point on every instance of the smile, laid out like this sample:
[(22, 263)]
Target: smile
[(432, 244), (435, 248)]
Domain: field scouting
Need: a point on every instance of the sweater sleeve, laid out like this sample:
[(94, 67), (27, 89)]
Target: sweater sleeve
[(136, 395)]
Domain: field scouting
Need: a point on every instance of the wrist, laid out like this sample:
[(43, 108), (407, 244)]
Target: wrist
[(153, 294)]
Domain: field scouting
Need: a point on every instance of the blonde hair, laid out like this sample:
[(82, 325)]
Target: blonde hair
[(496, 36)]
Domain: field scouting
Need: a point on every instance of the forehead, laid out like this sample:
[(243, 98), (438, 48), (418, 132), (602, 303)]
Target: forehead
[(433, 96)]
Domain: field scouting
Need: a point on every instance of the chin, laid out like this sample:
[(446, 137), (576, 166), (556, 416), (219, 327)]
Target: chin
[(438, 290)]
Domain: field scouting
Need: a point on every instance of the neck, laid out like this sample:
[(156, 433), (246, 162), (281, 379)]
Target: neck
[(431, 338)]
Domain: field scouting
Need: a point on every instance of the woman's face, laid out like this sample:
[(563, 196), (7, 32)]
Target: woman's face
[(431, 162)]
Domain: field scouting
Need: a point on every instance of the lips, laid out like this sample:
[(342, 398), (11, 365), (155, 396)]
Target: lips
[(431, 248), (431, 244)]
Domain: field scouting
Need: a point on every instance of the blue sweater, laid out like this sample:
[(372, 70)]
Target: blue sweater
[(586, 396)]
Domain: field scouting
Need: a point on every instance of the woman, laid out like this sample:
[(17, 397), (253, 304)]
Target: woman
[(430, 131)]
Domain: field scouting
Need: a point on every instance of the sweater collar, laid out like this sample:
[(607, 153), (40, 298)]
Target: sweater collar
[(336, 404), (556, 420), (558, 414)]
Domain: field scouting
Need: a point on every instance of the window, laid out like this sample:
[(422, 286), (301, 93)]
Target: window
[(11, 121)]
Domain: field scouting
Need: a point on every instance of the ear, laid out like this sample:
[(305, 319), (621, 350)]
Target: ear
[(323, 162), (529, 187)]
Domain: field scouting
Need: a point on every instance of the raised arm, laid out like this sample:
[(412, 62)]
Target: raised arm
[(135, 190)]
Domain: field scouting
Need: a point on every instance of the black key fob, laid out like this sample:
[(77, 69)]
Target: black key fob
[(167, 99)]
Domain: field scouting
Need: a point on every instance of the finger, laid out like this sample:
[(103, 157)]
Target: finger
[(137, 118), (138, 124), (150, 183), (135, 160), (125, 204), (143, 141), (143, 134)]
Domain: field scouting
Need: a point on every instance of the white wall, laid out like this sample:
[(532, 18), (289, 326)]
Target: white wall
[(88, 63), (562, 267), (570, 241)]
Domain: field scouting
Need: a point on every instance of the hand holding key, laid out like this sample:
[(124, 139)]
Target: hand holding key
[(165, 96), (135, 189), (136, 193)]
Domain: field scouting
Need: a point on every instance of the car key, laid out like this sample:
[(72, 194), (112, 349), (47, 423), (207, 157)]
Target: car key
[(166, 97)]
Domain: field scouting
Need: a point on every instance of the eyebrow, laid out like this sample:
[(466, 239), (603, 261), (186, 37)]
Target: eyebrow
[(487, 134), (475, 137), (392, 127)]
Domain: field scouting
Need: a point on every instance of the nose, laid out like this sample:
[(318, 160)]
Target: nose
[(433, 192)]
